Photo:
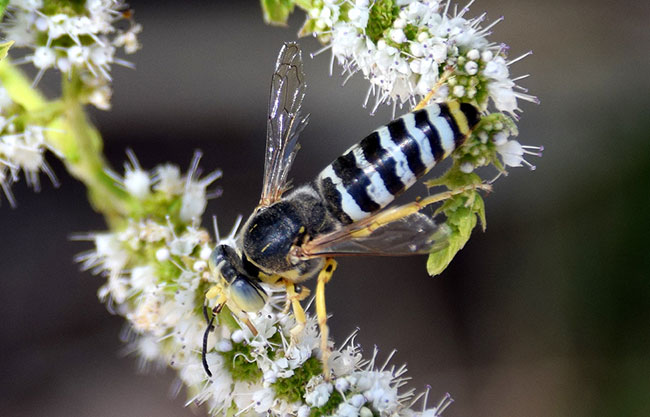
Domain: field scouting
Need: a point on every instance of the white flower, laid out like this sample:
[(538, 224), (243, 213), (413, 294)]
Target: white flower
[(424, 41), (319, 394), (195, 197), (110, 255), (168, 179), (347, 410), (192, 373), (136, 181), (345, 360), (304, 411), (162, 294), (5, 183), (146, 317), (129, 39), (143, 278), (44, 57), (263, 400), (148, 348), (466, 167), (512, 153), (22, 151), (66, 38)]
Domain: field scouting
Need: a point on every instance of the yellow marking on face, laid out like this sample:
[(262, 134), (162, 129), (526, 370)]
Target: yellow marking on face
[(212, 292), (459, 117), (301, 230), (266, 247)]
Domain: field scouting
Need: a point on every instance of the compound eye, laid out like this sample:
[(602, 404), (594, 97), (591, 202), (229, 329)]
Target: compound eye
[(248, 295)]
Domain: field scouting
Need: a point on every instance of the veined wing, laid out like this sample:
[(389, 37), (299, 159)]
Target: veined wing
[(284, 122), (394, 231), (409, 235)]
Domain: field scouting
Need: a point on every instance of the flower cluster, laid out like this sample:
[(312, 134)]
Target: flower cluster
[(22, 146), (408, 49), (404, 47), (74, 37), (157, 276), (491, 138)]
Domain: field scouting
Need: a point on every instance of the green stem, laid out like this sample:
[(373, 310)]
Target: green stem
[(82, 148), (73, 138), (20, 87)]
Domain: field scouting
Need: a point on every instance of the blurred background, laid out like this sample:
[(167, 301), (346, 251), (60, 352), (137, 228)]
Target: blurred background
[(545, 314)]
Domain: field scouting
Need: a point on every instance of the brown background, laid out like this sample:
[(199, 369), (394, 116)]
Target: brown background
[(546, 314)]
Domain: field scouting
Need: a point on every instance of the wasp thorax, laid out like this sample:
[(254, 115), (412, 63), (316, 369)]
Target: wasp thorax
[(270, 234)]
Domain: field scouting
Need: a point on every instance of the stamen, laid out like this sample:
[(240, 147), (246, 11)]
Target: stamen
[(519, 58), (444, 403), (320, 51), (390, 356)]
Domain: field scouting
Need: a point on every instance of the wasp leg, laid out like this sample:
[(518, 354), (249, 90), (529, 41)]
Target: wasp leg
[(214, 291), (294, 299), (323, 278), (443, 78), (399, 212)]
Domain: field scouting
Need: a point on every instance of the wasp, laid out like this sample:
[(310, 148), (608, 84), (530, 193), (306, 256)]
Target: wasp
[(294, 234)]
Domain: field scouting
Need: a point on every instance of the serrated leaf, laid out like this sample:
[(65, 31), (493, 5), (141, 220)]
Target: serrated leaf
[(4, 48), (276, 12)]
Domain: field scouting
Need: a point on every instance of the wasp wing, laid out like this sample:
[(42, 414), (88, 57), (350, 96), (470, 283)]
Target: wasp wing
[(411, 234), (394, 231), (284, 122)]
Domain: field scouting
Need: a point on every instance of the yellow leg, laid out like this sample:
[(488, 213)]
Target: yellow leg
[(443, 78), (396, 213), (217, 290), (299, 313), (323, 278)]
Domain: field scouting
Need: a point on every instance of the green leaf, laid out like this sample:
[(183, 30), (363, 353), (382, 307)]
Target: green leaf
[(276, 12), (3, 7), (4, 47), (463, 213)]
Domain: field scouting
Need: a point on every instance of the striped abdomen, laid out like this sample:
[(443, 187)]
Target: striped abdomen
[(369, 175)]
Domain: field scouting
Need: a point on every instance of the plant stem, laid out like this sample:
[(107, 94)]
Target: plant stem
[(82, 147), (72, 137)]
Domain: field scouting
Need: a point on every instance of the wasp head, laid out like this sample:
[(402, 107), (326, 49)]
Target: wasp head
[(242, 290)]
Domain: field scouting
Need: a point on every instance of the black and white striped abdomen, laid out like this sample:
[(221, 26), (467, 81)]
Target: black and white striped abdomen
[(369, 175)]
